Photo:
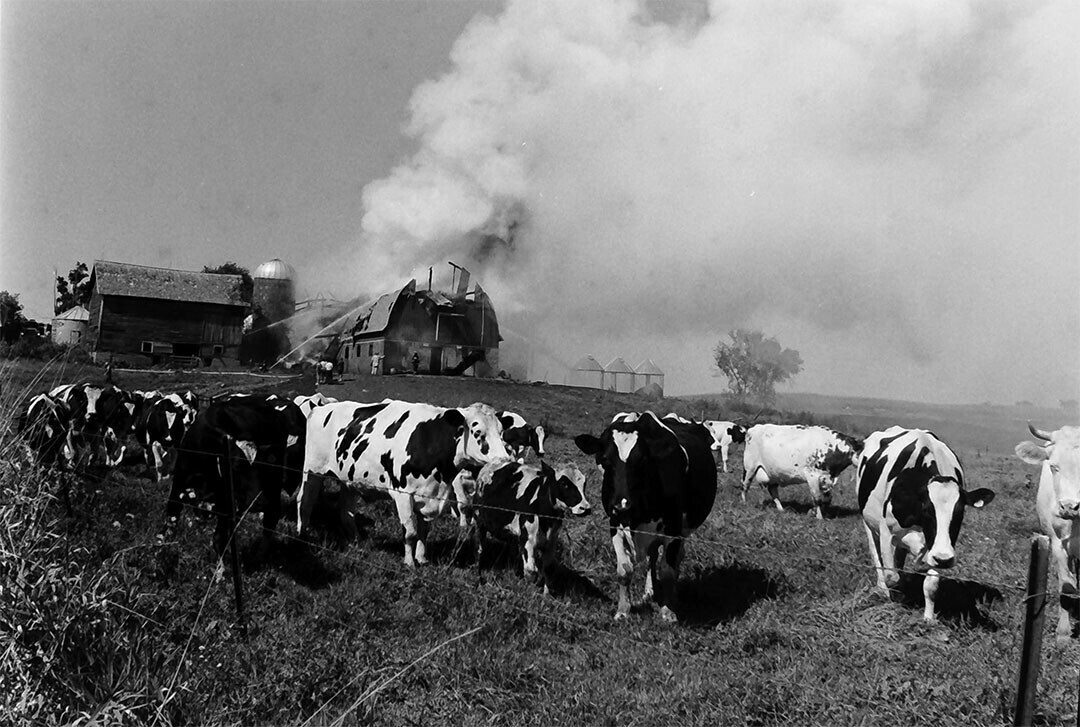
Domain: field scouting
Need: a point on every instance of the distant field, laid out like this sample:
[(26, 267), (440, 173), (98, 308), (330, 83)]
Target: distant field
[(778, 622)]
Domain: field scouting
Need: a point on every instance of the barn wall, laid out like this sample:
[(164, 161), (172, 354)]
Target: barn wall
[(120, 325)]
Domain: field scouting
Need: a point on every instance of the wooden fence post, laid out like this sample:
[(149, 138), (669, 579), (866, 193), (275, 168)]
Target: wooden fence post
[(1034, 620)]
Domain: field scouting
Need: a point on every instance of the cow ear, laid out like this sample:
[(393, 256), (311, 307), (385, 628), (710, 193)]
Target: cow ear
[(979, 497), (454, 418), (547, 470), (1031, 453), (587, 443)]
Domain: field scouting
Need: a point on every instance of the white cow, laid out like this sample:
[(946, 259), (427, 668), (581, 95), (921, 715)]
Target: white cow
[(781, 454), (414, 452), (1058, 506), (724, 435)]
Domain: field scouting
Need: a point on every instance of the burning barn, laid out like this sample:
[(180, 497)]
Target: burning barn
[(433, 331)]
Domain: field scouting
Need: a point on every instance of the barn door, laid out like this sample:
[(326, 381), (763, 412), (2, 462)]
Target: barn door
[(436, 359)]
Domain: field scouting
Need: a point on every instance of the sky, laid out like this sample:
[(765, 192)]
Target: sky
[(890, 187)]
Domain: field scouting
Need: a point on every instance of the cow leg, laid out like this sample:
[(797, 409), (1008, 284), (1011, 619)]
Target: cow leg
[(652, 550), (774, 493), (888, 556), (625, 556), (159, 460), (929, 589), (311, 487), (422, 528), (669, 578), (478, 549), (875, 557), (407, 517), (464, 488), (723, 458), (1067, 588)]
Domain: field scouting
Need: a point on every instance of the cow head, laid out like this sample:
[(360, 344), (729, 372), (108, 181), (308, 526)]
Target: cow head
[(636, 453), (934, 505), (1059, 456), (536, 439), (570, 488), (481, 441), (737, 432)]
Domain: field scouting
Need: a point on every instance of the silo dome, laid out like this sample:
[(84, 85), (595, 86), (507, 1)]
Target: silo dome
[(274, 269)]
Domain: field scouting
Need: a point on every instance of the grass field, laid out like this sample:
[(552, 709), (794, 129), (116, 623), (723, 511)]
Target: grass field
[(778, 621)]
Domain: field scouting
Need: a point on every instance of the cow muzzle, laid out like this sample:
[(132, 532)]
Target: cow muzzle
[(580, 509), (622, 505), (1069, 509)]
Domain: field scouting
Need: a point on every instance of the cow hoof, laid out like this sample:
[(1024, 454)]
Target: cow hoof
[(668, 615), (410, 563)]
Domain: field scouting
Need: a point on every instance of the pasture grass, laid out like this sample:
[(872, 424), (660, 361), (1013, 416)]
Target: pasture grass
[(779, 622)]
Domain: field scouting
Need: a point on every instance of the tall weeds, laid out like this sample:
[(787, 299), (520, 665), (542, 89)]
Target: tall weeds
[(77, 645)]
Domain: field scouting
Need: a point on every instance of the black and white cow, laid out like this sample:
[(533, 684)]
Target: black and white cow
[(724, 435), (308, 403), (519, 435), (46, 428), (101, 416), (1058, 506), (244, 440), (524, 504), (780, 454), (161, 426), (411, 451), (659, 486), (912, 498)]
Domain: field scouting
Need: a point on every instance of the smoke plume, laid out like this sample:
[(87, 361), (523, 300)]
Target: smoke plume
[(851, 177)]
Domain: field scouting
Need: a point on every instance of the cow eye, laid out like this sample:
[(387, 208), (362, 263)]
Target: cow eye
[(1055, 469)]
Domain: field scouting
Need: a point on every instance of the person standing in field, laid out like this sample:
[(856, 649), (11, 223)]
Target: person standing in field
[(415, 363), (376, 359)]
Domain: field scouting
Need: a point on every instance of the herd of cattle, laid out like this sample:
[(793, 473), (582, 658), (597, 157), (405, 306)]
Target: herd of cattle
[(321, 457)]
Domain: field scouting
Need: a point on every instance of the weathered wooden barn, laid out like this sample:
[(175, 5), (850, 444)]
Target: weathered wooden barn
[(145, 315), (448, 333)]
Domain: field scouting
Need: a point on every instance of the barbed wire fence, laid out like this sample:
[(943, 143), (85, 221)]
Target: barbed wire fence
[(503, 597)]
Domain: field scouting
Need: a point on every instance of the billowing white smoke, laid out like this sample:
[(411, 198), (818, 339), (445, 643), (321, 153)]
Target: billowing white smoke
[(826, 171)]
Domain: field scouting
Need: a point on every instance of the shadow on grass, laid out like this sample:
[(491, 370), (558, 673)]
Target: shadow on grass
[(301, 562), (722, 593), (831, 512), (959, 602)]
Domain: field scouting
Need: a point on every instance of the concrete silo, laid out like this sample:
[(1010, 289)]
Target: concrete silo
[(273, 302)]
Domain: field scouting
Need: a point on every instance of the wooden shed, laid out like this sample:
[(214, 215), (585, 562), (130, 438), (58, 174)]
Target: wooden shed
[(448, 333), (148, 315)]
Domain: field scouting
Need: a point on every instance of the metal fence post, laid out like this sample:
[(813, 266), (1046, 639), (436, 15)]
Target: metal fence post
[(1034, 620), (238, 586)]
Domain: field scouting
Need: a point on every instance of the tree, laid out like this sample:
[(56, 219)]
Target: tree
[(231, 268), (73, 290), (754, 364), (12, 320)]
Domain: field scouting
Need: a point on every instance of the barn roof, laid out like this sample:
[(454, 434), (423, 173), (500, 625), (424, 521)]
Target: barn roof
[(648, 366), (618, 366), (588, 363), (140, 281), (78, 313), (376, 318)]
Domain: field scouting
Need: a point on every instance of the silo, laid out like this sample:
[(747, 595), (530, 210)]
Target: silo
[(274, 293), (273, 302)]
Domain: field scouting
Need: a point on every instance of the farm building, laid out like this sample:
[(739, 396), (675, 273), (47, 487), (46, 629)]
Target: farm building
[(617, 375), (153, 315), (587, 373), (449, 333), (70, 327), (267, 328), (648, 373)]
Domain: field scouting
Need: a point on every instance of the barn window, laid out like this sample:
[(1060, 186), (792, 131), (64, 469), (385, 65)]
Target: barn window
[(346, 353), (219, 350), (371, 349), (147, 347)]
